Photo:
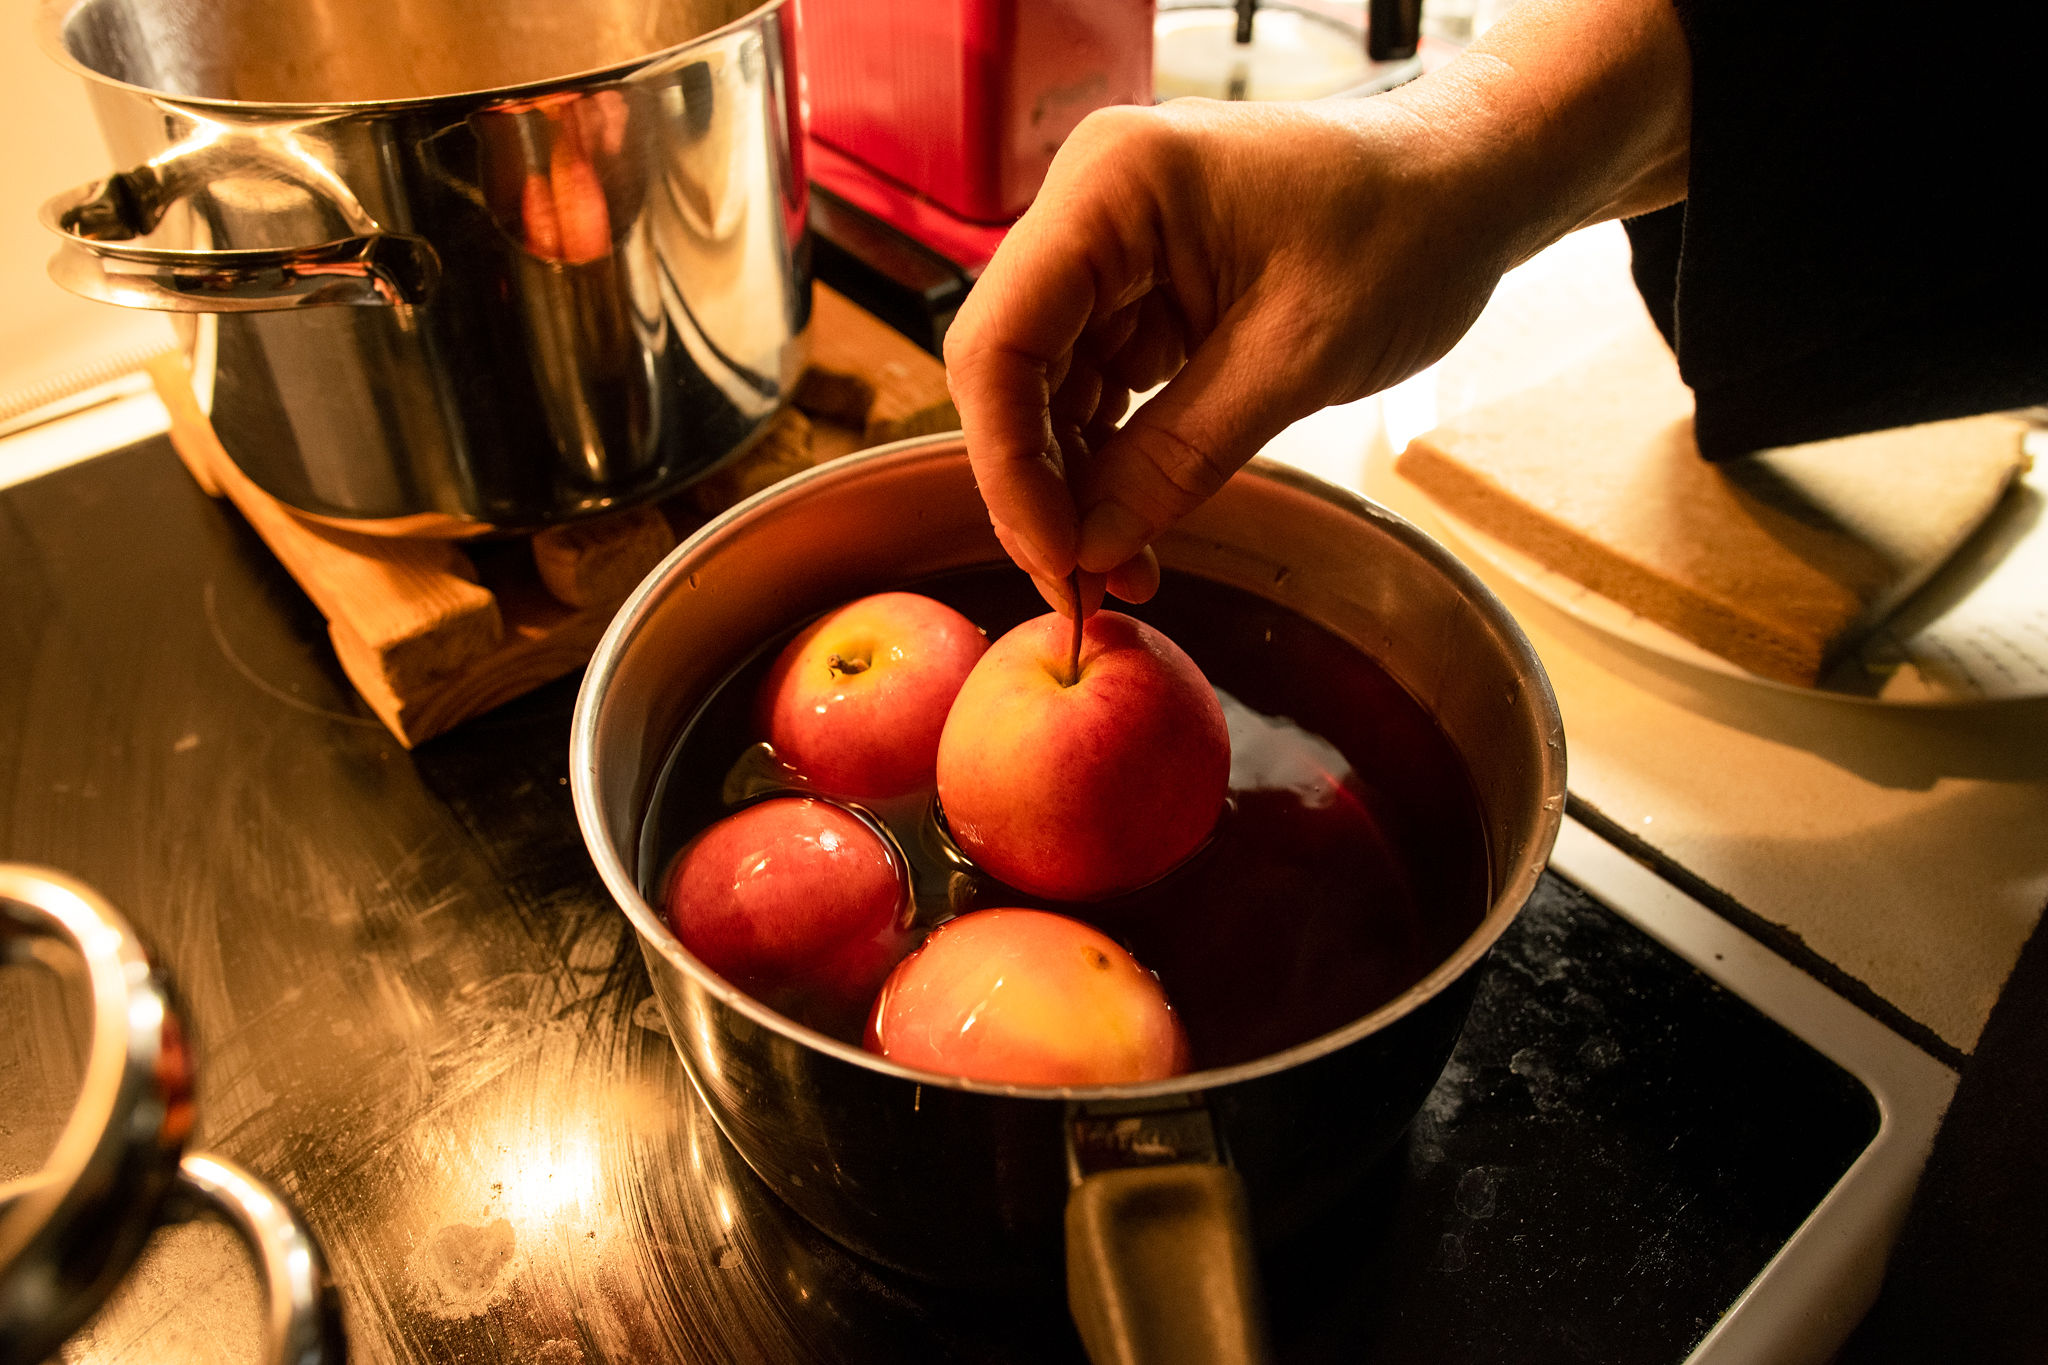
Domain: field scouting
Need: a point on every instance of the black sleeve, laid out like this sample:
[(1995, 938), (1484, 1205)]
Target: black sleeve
[(1859, 248)]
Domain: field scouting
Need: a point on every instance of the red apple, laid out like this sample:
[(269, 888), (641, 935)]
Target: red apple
[(1077, 789), (793, 900), (856, 701), (1030, 998)]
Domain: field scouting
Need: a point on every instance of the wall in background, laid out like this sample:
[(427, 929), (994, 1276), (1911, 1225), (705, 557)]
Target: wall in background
[(48, 143)]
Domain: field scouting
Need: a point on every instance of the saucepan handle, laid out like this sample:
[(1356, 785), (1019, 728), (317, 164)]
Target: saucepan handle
[(104, 258), (1160, 1267)]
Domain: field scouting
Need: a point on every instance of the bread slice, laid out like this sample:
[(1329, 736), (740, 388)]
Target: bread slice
[(1777, 562)]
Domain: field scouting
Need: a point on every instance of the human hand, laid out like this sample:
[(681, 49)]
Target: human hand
[(1263, 261)]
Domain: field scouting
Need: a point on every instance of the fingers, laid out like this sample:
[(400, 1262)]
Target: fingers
[(1072, 413), (1017, 461), (1257, 262), (1024, 356), (1154, 347), (1231, 397), (1137, 578), (1018, 383), (1023, 553), (1135, 581), (1058, 593), (1006, 354), (1080, 308)]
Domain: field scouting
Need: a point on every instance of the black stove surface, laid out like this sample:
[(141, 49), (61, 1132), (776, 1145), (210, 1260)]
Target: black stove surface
[(419, 1016)]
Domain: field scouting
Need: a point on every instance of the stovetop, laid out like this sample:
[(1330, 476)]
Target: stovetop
[(419, 1016)]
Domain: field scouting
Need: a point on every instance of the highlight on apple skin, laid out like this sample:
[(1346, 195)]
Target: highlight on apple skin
[(1027, 997), (1084, 790), (856, 701), (796, 901)]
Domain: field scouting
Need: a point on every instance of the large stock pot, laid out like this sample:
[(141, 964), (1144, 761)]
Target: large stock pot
[(1145, 1185), (454, 267)]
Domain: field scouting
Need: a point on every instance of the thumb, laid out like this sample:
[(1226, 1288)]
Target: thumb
[(1247, 381)]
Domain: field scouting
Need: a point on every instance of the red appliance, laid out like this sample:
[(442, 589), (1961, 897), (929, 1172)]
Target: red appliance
[(964, 102)]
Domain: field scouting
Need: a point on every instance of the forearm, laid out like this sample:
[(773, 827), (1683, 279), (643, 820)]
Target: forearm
[(1567, 112)]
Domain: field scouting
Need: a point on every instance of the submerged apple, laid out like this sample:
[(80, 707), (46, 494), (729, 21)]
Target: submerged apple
[(1081, 787), (1029, 998), (856, 701), (796, 901)]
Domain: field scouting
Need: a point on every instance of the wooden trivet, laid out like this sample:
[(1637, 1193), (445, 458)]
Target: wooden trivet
[(434, 632)]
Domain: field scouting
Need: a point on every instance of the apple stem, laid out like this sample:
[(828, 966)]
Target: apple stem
[(1074, 659)]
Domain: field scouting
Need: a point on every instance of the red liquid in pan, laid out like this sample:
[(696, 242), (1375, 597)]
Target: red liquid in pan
[(1351, 860)]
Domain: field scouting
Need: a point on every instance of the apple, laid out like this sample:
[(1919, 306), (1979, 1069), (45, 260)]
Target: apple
[(1030, 998), (796, 901), (856, 701), (1079, 788)]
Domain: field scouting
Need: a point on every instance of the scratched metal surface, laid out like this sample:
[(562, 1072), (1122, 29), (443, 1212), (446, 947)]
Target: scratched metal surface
[(418, 1016)]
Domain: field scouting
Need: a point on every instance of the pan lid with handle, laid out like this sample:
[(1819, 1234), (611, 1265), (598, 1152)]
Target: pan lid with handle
[(70, 1231)]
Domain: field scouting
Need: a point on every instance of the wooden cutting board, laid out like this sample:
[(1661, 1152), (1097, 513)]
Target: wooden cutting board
[(1777, 562)]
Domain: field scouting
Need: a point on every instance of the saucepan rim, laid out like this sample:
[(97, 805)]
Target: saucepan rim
[(52, 14), (1507, 900)]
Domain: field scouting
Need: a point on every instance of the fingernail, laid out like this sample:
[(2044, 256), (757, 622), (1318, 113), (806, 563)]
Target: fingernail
[(1055, 594), (1111, 534), (1135, 581), (1042, 563), (1028, 553)]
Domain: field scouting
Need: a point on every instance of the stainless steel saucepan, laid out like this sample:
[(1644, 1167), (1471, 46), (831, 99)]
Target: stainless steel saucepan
[(1145, 1186), (464, 267)]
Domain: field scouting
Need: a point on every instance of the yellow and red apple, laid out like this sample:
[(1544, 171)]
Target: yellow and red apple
[(1027, 997), (856, 701), (795, 900), (1079, 787)]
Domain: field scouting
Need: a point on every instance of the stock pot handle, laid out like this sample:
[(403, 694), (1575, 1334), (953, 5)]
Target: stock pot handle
[(1160, 1267), (101, 259)]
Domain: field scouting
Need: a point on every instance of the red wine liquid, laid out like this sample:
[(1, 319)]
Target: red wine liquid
[(1350, 861)]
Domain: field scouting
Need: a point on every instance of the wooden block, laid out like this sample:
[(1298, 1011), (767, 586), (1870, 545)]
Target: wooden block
[(428, 645), (411, 606), (829, 441), (173, 381), (543, 640), (831, 396), (594, 563), (784, 449), (911, 398)]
